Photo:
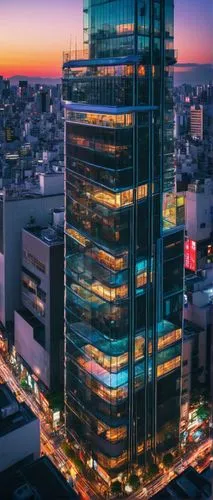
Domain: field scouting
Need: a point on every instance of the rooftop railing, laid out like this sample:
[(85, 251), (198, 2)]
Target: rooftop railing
[(74, 55)]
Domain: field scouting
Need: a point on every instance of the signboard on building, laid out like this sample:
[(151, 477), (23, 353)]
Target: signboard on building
[(190, 255)]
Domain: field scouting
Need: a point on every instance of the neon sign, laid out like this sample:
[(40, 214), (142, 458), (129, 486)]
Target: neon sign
[(190, 255)]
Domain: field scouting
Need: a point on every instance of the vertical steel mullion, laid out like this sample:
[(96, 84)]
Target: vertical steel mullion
[(132, 263)]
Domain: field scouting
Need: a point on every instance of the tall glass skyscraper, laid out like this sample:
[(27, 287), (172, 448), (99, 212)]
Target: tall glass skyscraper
[(124, 238)]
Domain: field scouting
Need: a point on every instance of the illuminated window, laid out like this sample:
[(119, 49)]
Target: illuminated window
[(39, 306), (110, 294), (139, 347), (141, 70), (110, 395), (180, 200), (102, 120), (140, 447), (97, 145), (29, 284), (85, 294), (78, 237), (141, 279), (141, 192), (210, 249), (173, 209), (112, 463), (114, 263), (168, 366), (116, 434), (110, 363), (113, 200), (170, 338), (114, 363)]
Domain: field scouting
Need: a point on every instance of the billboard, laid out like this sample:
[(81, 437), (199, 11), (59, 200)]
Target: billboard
[(190, 255)]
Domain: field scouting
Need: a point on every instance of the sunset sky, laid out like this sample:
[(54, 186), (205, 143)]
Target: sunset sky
[(33, 34)]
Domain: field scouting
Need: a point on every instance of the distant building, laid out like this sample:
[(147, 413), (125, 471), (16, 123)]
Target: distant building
[(40, 480), (43, 101), (199, 225), (199, 309), (197, 121), (19, 432), (199, 291), (6, 89), (23, 89), (9, 133)]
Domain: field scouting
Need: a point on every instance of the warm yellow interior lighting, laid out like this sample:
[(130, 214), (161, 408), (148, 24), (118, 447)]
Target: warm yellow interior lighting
[(169, 338), (114, 263), (141, 279), (141, 191), (113, 200), (107, 293), (102, 120), (109, 395), (112, 463), (78, 237), (141, 70), (168, 366)]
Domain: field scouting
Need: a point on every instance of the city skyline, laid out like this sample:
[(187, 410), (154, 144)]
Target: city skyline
[(35, 48), (106, 249)]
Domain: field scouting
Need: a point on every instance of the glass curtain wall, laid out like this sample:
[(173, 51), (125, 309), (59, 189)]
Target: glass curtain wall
[(123, 269)]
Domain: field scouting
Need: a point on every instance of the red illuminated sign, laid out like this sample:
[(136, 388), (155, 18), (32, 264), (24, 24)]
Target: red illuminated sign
[(190, 255)]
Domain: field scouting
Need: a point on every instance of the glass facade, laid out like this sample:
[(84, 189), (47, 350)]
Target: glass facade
[(124, 240)]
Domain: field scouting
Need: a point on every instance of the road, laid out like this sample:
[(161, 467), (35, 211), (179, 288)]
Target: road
[(49, 446), (160, 482)]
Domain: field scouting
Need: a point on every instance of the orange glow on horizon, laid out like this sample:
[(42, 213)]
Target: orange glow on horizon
[(33, 35)]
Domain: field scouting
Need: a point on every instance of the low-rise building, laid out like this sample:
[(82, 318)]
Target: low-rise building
[(19, 431), (40, 480)]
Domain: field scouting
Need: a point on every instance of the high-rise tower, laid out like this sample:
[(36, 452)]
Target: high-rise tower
[(124, 239)]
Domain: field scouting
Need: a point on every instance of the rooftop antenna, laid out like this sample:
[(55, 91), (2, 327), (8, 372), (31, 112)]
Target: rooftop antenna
[(70, 45), (75, 48)]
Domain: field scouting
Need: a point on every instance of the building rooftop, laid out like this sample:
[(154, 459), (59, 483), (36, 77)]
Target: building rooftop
[(33, 187), (40, 479), (46, 234), (12, 414), (189, 484)]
